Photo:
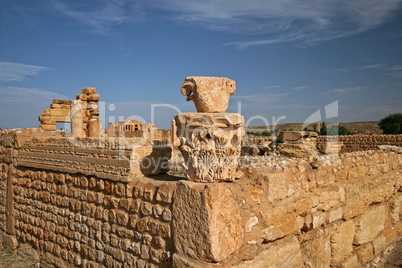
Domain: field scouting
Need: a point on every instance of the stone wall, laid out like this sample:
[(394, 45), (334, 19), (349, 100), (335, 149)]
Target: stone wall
[(83, 220), (340, 210), (352, 143), (93, 202)]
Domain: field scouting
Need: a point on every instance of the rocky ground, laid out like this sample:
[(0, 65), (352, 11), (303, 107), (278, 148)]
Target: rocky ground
[(391, 258), (9, 259)]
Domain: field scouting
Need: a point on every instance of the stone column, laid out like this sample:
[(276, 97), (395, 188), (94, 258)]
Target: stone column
[(77, 119), (210, 140)]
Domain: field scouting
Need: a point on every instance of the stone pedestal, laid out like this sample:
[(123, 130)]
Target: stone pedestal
[(210, 144)]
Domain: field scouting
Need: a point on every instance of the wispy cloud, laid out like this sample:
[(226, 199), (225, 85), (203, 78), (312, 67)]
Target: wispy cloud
[(309, 22), (104, 15), (392, 71), (344, 90), (263, 99), (375, 66), (11, 71), (20, 107), (299, 88)]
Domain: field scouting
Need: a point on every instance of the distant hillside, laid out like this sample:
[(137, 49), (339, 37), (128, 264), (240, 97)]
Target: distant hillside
[(369, 127)]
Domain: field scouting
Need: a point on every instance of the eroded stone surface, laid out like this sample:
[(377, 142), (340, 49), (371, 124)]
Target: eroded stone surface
[(341, 241), (206, 221), (210, 144), (282, 253), (369, 225), (210, 94)]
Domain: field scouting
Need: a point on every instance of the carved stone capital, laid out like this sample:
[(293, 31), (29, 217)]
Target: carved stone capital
[(210, 144)]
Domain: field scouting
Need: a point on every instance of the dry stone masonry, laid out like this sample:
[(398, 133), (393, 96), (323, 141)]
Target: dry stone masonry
[(83, 114), (97, 202)]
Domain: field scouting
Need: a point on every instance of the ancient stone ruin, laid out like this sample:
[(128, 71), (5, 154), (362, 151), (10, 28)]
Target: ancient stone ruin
[(89, 201), (210, 140), (83, 114)]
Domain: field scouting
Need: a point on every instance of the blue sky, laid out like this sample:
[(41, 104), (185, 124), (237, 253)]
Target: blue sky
[(289, 58)]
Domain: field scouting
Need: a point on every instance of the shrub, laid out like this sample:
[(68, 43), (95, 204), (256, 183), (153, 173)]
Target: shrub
[(391, 124), (266, 133)]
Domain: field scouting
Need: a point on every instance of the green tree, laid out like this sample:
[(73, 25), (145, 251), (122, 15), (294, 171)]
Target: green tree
[(391, 124), (335, 130), (323, 130), (266, 133)]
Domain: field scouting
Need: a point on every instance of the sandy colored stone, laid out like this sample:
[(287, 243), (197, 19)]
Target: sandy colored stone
[(9, 241), (341, 241), (210, 94), (206, 221), (364, 253), (89, 90), (285, 218), (351, 262), (289, 135), (281, 253), (369, 225), (318, 250), (48, 127), (379, 244), (94, 128), (360, 194), (210, 144), (77, 119), (93, 97)]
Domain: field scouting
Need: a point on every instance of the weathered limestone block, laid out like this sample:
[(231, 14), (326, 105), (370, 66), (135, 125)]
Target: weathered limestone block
[(77, 119), (342, 241), (290, 135), (210, 94), (369, 225), (351, 262), (206, 221), (89, 90), (364, 253), (93, 97), (330, 147), (379, 244), (360, 194), (318, 250), (210, 144), (281, 253), (48, 127), (285, 218)]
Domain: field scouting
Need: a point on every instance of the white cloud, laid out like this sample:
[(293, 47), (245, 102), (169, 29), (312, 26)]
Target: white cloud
[(104, 15), (20, 107), (374, 66), (11, 71), (392, 71), (299, 88), (344, 90), (309, 21)]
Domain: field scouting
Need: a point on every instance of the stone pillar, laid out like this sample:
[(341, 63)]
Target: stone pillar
[(77, 119), (174, 140), (94, 128)]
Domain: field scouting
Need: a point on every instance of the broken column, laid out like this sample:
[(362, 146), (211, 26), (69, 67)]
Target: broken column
[(77, 119), (210, 140), (90, 101)]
